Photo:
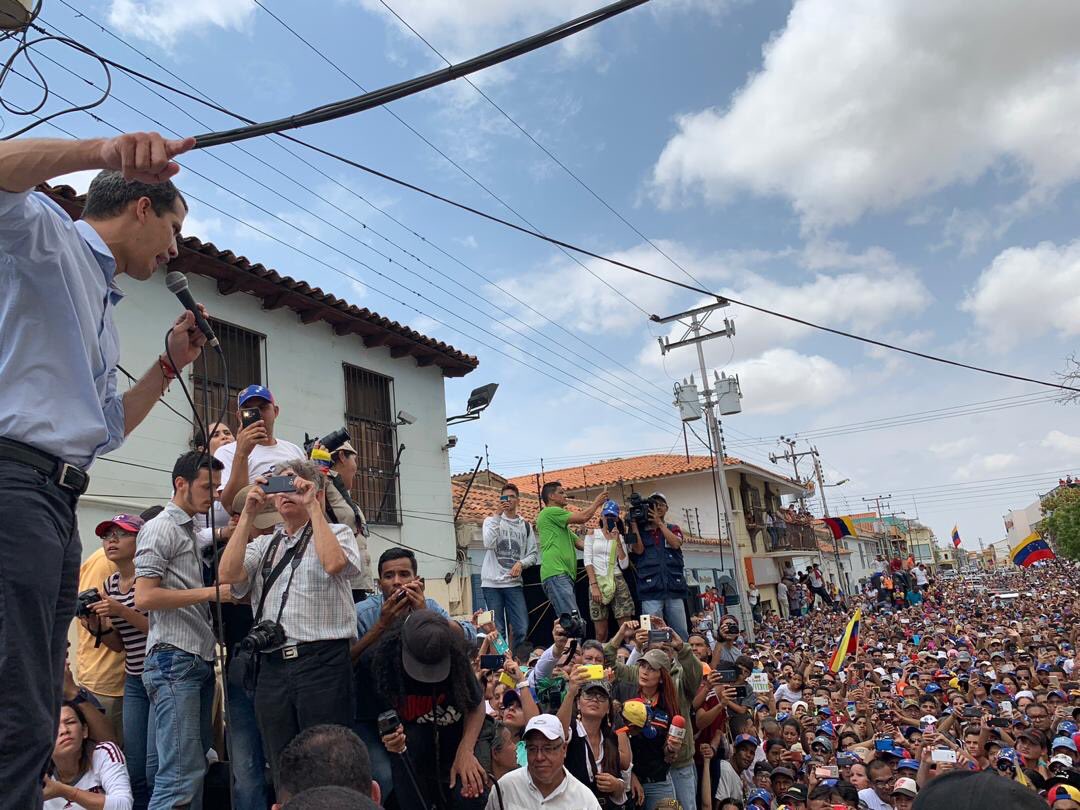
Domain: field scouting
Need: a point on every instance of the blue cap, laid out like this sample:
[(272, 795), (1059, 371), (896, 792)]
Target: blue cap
[(782, 716), (609, 509), (1007, 753), (759, 794), (999, 689), (746, 738), (1058, 693), (1063, 742), (1042, 668), (827, 728), (909, 764), (1067, 728), (253, 391), (932, 689), (825, 710)]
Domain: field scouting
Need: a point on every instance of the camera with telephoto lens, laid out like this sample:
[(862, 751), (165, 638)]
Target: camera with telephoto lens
[(331, 441), (263, 636), (572, 624), (84, 600), (638, 511)]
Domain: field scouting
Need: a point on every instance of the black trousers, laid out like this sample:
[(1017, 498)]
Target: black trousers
[(295, 694), (40, 554)]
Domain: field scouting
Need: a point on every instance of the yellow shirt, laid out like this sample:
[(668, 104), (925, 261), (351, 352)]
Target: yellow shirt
[(100, 670)]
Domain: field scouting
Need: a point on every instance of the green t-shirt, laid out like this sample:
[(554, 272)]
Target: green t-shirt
[(558, 554)]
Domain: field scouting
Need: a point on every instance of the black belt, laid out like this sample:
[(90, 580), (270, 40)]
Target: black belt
[(64, 475), (301, 649)]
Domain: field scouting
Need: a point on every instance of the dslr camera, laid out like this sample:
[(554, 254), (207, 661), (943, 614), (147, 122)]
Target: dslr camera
[(84, 600), (331, 441), (572, 624), (263, 636)]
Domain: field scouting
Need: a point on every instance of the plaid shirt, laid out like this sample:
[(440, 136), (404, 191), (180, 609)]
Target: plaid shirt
[(166, 548), (320, 606)]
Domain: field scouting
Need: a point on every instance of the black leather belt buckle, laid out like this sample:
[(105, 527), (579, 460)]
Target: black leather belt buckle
[(71, 477)]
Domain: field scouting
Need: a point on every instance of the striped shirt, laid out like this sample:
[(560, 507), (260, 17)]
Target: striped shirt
[(134, 640), (320, 606), (166, 548)]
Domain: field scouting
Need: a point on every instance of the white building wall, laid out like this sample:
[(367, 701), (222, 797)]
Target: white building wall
[(1022, 521), (303, 368)]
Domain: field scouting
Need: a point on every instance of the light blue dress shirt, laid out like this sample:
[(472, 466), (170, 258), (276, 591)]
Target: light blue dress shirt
[(58, 344), (368, 611)]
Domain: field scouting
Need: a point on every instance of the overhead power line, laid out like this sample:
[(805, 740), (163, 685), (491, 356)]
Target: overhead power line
[(614, 262)]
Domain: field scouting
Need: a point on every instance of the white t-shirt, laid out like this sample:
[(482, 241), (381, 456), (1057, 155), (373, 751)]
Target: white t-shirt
[(519, 792), (108, 775), (873, 801), (261, 460), (728, 783), (920, 577)]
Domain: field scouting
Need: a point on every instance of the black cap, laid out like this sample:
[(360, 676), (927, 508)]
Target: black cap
[(426, 640), (976, 790), (797, 792)]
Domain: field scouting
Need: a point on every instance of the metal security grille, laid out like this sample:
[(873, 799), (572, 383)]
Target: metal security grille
[(369, 418), (243, 351)]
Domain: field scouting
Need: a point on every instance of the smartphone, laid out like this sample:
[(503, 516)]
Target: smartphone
[(883, 745), (890, 657), (724, 675), (943, 755), (507, 680), (595, 672), (820, 701), (486, 617), (249, 416), (646, 621), (1000, 722), (1005, 706), (659, 636), (504, 498), (1055, 681), (851, 710), (492, 662), (278, 484), (388, 721), (972, 711), (827, 772)]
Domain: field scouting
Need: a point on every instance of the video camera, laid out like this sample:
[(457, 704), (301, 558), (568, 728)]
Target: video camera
[(331, 441), (638, 511)]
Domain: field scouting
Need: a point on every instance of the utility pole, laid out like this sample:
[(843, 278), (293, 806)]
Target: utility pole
[(793, 457), (877, 499), (840, 572), (696, 336)]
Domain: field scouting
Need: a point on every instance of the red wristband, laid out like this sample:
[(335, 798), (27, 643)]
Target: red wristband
[(167, 368)]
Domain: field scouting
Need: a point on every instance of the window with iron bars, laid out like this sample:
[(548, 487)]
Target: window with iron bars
[(369, 418), (243, 351)]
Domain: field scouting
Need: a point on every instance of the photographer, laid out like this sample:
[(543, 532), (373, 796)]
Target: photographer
[(256, 451), (304, 676), (658, 562), (341, 508), (421, 672), (558, 545)]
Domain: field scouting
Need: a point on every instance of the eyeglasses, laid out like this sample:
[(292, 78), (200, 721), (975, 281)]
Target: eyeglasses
[(594, 697), (883, 782), (1005, 767), (114, 534), (543, 750)]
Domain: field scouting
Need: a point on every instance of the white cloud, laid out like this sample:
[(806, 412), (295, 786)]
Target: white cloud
[(861, 107), (164, 21), (1028, 292), (955, 447), (1061, 442), (782, 380), (982, 463)]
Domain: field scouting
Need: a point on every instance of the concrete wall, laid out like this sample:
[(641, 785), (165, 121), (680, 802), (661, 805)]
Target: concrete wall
[(303, 368)]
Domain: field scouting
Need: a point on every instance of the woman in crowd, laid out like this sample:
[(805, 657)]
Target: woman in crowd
[(86, 775), (595, 754)]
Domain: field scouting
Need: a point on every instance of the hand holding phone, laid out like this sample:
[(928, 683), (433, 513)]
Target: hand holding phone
[(485, 617), (279, 484), (492, 662)]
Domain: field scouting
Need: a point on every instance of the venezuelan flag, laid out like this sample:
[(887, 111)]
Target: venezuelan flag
[(955, 537), (840, 526), (1030, 550), (849, 643)]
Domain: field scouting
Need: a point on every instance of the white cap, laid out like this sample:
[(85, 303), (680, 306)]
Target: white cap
[(1061, 759), (1025, 693), (928, 719), (547, 724), (906, 786)]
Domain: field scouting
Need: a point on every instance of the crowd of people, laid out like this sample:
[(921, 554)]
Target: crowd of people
[(238, 647)]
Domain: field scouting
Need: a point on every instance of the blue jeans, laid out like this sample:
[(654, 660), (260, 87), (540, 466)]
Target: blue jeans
[(655, 791), (510, 601), (181, 690), (672, 611), (245, 752), (139, 748), (559, 590), (686, 784)]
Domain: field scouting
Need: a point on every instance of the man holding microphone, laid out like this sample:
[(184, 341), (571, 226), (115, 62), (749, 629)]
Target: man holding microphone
[(59, 404)]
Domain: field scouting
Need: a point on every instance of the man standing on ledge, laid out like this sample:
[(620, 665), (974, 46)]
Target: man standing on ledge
[(59, 404), (558, 545)]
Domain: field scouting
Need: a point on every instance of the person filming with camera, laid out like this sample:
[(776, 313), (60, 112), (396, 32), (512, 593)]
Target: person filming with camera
[(658, 560), (304, 617)]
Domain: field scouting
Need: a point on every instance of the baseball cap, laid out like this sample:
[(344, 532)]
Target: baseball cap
[(822, 741), (635, 713), (759, 795), (346, 447), (266, 517), (426, 639), (905, 787), (1063, 742), (1033, 735), (547, 724), (742, 739), (510, 696), (657, 659), (128, 523), (609, 509), (826, 729), (590, 686), (658, 496), (907, 765), (1008, 753), (1061, 759), (253, 391), (1059, 792), (797, 793), (782, 771)]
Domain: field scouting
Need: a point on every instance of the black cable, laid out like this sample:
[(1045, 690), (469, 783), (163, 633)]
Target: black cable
[(377, 98), (585, 252), (132, 378)]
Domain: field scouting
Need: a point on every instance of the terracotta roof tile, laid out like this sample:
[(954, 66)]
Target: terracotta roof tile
[(235, 273), (483, 501)]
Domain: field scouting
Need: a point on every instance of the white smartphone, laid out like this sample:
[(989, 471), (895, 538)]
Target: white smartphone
[(943, 755), (487, 617), (646, 621)]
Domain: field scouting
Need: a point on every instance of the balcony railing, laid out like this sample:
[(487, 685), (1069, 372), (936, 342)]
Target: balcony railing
[(793, 537)]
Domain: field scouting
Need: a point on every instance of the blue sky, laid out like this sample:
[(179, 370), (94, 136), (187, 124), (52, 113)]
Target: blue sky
[(905, 171)]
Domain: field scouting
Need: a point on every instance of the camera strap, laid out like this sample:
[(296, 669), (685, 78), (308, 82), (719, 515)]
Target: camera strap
[(292, 556)]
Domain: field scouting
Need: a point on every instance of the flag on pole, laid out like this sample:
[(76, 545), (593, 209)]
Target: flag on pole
[(849, 642), (1031, 549), (840, 526), (955, 537)]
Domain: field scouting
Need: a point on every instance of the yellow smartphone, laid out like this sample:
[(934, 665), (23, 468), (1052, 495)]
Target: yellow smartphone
[(487, 617), (504, 678), (595, 672)]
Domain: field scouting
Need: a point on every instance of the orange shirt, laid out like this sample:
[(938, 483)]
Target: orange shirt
[(100, 670)]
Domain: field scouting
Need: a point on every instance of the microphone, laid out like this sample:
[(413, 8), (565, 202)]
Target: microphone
[(178, 285)]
